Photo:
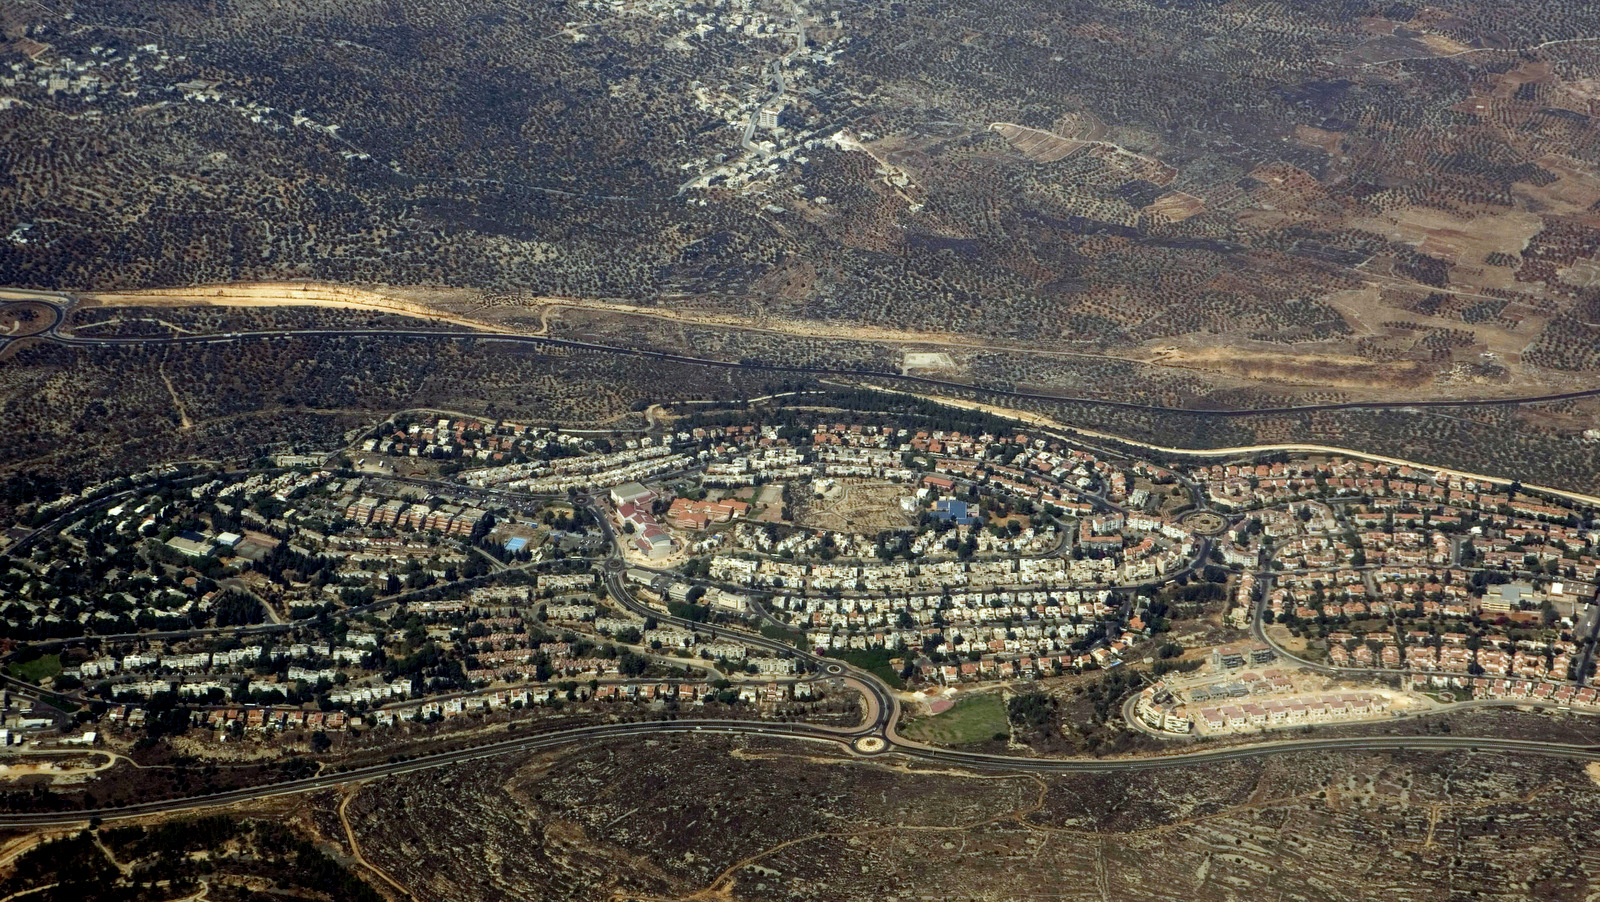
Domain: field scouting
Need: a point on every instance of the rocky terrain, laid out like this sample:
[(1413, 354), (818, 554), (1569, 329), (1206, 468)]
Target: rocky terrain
[(712, 819), (1359, 196)]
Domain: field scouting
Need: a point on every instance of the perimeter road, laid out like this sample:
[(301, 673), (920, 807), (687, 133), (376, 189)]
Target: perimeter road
[(942, 757), (877, 735), (55, 334)]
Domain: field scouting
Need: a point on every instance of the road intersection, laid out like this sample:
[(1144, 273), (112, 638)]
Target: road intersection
[(876, 736)]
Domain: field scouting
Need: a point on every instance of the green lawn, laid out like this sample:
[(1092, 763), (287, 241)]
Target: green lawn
[(774, 631), (975, 718), (37, 669), (875, 661)]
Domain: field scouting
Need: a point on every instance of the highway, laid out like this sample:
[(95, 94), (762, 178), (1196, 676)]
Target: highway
[(543, 742), (523, 744), (877, 735), (55, 334)]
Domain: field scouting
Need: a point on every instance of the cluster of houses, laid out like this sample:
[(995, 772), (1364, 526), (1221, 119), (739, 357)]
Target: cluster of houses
[(199, 674), (1416, 592), (1509, 689), (348, 520), (896, 578), (454, 437), (1003, 666), (1358, 542), (1456, 653), (748, 467), (1316, 709), (102, 73), (249, 718), (101, 490), (641, 458), (1033, 469), (841, 601), (1008, 608), (1319, 540), (1223, 703), (278, 486), (357, 646), (1024, 468), (752, 539), (500, 639), (449, 519), (684, 693), (1251, 485), (1398, 516), (1139, 546)]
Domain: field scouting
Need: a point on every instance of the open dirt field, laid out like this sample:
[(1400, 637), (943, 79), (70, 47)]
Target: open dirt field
[(1306, 369), (286, 294), (55, 770), (1371, 311), (925, 361), (1038, 146), (1280, 635), (1465, 242), (769, 504), (860, 506), (1176, 206)]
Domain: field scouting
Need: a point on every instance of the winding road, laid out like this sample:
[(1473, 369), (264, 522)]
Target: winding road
[(877, 735), (55, 334), (549, 741)]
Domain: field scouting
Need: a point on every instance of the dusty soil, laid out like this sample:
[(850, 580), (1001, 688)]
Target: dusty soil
[(1281, 636), (1038, 146), (860, 506), (712, 819), (21, 318), (1373, 312)]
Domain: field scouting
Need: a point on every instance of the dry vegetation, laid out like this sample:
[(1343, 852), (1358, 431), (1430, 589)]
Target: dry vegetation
[(1313, 182), (75, 411), (673, 818)]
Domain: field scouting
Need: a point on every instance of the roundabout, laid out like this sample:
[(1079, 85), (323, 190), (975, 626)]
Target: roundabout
[(870, 745), (1204, 523)]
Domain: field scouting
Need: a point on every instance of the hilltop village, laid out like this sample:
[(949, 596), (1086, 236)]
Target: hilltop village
[(445, 570)]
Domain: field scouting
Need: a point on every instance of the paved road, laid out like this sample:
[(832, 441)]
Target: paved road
[(54, 334), (1587, 632), (883, 708), (55, 301), (1256, 750), (522, 744), (804, 732)]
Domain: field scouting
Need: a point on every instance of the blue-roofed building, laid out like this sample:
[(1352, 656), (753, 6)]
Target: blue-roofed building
[(517, 544), (959, 512)]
